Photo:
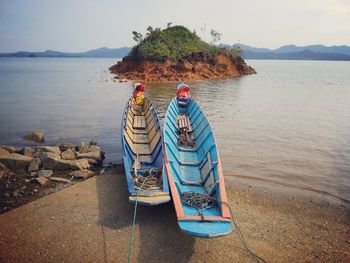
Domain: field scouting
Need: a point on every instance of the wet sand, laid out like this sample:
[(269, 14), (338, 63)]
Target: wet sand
[(91, 222)]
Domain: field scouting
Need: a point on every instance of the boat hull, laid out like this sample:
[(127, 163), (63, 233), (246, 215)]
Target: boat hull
[(195, 169), (142, 143)]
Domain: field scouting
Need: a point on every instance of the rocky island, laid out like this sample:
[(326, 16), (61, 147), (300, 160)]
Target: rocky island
[(177, 54)]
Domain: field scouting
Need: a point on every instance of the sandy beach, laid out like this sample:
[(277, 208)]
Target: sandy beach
[(91, 222)]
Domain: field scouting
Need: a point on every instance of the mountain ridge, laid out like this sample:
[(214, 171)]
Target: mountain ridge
[(290, 51)]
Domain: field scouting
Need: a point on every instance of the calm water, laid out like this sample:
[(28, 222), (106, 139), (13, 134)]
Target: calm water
[(289, 124)]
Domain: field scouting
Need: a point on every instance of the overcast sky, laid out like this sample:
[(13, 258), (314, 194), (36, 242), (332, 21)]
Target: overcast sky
[(74, 25)]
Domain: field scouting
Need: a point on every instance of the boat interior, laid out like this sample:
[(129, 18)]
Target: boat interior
[(194, 166), (143, 136)]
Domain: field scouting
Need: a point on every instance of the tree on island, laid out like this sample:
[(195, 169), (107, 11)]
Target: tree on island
[(174, 43), (215, 35), (137, 36), (236, 51)]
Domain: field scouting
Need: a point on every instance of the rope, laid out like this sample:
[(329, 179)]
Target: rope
[(254, 256), (133, 222), (154, 181), (198, 201), (205, 201)]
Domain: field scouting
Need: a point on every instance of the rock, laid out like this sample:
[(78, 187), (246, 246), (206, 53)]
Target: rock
[(11, 149), (59, 164), (68, 155), (15, 161), (85, 149), (185, 65), (28, 151), (82, 174), (221, 67), (42, 180), (81, 164), (88, 148), (2, 170), (36, 136), (91, 155), (16, 193), (65, 146), (43, 155), (81, 145), (94, 148), (2, 167), (34, 165), (50, 149), (45, 173), (59, 179), (53, 163), (91, 161), (3, 152)]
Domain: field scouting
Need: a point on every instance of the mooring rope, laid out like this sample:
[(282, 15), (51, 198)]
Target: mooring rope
[(200, 202), (206, 201), (134, 220)]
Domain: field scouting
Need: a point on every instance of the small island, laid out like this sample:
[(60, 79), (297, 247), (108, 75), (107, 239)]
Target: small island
[(177, 54)]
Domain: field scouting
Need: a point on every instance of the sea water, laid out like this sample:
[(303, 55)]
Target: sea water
[(288, 124)]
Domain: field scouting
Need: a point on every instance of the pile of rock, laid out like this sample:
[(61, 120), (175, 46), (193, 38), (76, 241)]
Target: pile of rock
[(195, 66), (41, 161)]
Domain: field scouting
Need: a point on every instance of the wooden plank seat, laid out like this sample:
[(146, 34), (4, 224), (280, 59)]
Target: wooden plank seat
[(139, 122), (183, 123)]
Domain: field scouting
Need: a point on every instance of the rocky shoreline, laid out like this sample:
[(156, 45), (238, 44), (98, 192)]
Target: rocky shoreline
[(32, 172), (197, 66)]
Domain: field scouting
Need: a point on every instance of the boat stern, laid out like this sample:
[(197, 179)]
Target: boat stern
[(150, 200), (205, 229)]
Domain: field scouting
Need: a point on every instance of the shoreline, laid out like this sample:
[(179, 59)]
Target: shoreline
[(232, 182), (286, 189), (276, 226)]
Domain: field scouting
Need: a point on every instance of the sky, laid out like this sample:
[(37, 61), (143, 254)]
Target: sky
[(75, 25)]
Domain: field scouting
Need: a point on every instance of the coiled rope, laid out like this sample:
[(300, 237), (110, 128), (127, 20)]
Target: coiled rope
[(154, 180)]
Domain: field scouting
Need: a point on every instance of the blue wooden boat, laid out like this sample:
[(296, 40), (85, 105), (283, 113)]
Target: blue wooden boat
[(143, 154), (194, 171)]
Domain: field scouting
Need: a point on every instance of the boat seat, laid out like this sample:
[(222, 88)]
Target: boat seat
[(140, 138), (204, 177), (183, 123), (139, 122)]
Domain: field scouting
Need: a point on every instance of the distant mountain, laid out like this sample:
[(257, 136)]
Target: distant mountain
[(254, 49), (96, 53), (106, 52), (293, 52), (300, 55), (345, 50), (312, 52)]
